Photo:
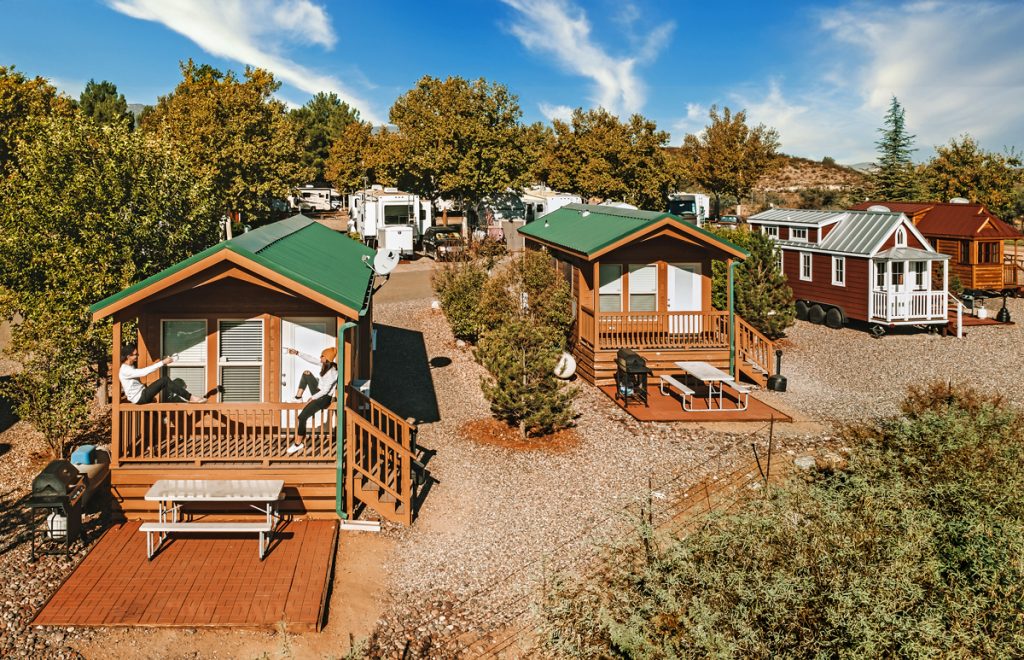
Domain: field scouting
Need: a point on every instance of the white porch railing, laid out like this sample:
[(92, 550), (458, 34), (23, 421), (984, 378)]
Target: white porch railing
[(909, 306)]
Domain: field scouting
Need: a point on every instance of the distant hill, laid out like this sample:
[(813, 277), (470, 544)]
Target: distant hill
[(801, 182)]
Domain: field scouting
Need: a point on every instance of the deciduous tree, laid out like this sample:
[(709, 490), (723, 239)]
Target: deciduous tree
[(729, 157), (234, 133), (101, 103), (963, 169), (894, 176), (22, 100), (321, 123)]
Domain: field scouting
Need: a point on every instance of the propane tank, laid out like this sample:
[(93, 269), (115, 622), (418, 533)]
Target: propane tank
[(777, 383)]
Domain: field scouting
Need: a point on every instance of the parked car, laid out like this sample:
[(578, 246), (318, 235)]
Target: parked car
[(443, 243)]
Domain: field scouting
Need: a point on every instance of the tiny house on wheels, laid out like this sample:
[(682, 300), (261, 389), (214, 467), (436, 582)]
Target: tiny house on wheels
[(973, 238), (642, 280), (872, 266), (230, 314)]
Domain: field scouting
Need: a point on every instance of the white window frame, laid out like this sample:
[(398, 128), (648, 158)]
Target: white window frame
[(881, 273), (802, 238), (838, 271), (771, 231), (901, 236), (806, 266), (920, 277), (631, 268), (780, 260), (206, 353), (221, 362), (611, 288)]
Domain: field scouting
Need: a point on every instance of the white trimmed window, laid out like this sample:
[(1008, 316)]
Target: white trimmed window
[(920, 271), (901, 237), (880, 275), (241, 360), (806, 266), (643, 288), (610, 288), (798, 234), (771, 231), (780, 260), (897, 273), (185, 340), (839, 271)]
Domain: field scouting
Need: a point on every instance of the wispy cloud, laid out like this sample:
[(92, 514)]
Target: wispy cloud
[(253, 32), (562, 30), (553, 112)]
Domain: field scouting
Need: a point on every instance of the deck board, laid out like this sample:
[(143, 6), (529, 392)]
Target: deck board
[(199, 580), (668, 408)]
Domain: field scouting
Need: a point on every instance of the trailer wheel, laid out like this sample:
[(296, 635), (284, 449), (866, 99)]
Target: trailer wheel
[(834, 318), (801, 310), (816, 314)]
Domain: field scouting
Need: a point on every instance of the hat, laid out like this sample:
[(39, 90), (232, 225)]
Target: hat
[(330, 353)]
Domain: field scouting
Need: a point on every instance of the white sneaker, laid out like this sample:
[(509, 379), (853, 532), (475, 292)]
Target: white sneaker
[(295, 448)]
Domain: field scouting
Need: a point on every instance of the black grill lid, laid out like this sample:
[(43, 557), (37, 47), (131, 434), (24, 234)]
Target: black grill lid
[(57, 479)]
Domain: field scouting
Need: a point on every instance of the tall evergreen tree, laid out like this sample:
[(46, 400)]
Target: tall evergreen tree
[(895, 178), (101, 103), (321, 123)]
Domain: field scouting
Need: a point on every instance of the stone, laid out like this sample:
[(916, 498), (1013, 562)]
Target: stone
[(805, 463)]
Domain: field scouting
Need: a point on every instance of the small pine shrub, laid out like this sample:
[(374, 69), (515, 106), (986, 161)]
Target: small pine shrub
[(459, 286)]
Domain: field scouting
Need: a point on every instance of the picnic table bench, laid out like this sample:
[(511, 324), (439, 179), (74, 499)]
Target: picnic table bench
[(171, 494), (714, 378)]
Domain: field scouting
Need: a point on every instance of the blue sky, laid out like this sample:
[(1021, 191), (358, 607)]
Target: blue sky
[(822, 73)]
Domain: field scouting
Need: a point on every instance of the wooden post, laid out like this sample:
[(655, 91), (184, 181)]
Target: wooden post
[(596, 291), (115, 397)]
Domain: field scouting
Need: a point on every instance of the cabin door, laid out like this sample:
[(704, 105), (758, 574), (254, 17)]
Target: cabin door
[(684, 295), (309, 336)]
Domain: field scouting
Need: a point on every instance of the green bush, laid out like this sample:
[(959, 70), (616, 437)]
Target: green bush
[(913, 551), (459, 285), (762, 296)]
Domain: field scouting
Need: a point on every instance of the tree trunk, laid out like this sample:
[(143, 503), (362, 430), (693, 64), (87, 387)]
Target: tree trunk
[(101, 387)]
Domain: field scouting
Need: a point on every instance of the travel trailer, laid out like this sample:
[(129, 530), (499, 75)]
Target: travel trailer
[(541, 200), (389, 218), (314, 198), (687, 205)]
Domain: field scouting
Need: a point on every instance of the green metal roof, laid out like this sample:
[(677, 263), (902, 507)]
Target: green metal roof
[(588, 228), (298, 249)]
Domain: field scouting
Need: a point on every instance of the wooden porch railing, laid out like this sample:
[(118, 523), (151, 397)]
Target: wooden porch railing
[(379, 454), (754, 351), (585, 326), (670, 330), (1013, 274), (221, 432)]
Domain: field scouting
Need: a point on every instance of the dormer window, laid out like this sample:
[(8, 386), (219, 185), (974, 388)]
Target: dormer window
[(901, 237), (771, 231), (799, 235)]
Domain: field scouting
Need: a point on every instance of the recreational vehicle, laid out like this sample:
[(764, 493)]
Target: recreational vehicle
[(314, 198), (688, 205), (389, 218), (541, 200)]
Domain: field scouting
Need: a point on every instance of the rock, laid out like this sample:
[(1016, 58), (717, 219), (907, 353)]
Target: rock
[(805, 463), (830, 462), (459, 343)]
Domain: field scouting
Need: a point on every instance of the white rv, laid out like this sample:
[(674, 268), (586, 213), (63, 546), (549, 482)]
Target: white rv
[(389, 218), (313, 198), (690, 204), (541, 200)]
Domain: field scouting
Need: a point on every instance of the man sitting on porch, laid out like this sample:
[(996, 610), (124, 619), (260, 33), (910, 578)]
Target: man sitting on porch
[(136, 392), (320, 388)]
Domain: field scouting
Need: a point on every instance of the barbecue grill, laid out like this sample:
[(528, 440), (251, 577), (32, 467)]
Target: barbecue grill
[(58, 494), (631, 373)]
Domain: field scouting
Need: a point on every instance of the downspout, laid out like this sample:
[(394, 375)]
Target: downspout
[(339, 426), (732, 321)]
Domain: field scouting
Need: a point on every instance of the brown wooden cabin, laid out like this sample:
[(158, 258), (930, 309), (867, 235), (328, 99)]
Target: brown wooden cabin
[(871, 266), (973, 238), (642, 280), (229, 313)]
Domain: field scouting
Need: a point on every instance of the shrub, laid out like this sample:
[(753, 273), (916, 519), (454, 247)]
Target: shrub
[(914, 551), (459, 286), (762, 296)]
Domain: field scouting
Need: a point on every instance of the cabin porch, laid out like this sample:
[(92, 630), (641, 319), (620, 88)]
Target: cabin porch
[(904, 292)]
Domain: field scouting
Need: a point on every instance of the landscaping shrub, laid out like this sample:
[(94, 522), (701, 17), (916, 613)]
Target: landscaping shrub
[(913, 551), (459, 285), (762, 296)]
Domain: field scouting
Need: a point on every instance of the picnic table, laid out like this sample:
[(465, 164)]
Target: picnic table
[(170, 494), (715, 379)]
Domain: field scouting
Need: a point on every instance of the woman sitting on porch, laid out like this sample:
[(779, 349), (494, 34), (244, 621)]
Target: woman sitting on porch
[(136, 392), (320, 388)]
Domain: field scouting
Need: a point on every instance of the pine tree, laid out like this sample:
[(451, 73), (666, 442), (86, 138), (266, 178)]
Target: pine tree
[(895, 178), (761, 295)]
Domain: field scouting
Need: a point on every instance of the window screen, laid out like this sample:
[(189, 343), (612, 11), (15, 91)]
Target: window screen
[(186, 341), (643, 288), (241, 360), (610, 291)]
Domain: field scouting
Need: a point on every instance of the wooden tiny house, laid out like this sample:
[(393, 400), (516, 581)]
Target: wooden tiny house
[(229, 313), (642, 280), (973, 238)]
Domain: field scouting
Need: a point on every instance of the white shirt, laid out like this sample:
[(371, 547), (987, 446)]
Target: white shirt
[(328, 382), (130, 383)]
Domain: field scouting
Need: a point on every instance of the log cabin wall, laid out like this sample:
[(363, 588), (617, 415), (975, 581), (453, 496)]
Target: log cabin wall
[(663, 250)]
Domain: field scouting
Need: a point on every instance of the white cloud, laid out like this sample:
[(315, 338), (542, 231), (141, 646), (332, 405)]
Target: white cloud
[(553, 112), (253, 32), (72, 88), (560, 29)]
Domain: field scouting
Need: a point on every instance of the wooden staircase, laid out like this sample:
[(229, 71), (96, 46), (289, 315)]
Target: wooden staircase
[(381, 467), (754, 353)]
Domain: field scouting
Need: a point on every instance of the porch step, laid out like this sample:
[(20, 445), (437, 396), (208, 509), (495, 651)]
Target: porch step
[(756, 367)]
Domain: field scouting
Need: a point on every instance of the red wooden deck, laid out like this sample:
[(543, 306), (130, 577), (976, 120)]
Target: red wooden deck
[(199, 580), (668, 408)]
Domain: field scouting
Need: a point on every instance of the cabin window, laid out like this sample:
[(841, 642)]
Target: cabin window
[(771, 231), (780, 260), (839, 271), (897, 273), (799, 235), (988, 253), (806, 266), (901, 237), (610, 291), (880, 275), (919, 268), (643, 288), (965, 252), (185, 340), (241, 360), (398, 214)]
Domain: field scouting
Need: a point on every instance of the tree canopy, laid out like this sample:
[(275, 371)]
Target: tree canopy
[(963, 169), (23, 100), (321, 123), (101, 102), (894, 177), (458, 139), (729, 157), (595, 154), (234, 133)]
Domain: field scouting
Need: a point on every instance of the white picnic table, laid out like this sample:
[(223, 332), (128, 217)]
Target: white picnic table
[(170, 494), (713, 377)]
